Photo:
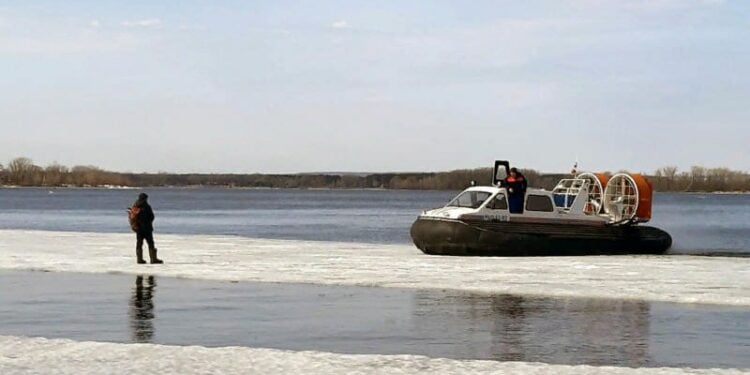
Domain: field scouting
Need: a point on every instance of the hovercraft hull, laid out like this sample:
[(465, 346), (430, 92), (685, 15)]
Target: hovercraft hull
[(486, 238)]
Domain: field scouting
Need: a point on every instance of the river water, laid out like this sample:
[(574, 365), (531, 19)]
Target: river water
[(698, 223), (360, 320), (339, 319)]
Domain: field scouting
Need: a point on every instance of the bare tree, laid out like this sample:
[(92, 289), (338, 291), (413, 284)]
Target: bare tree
[(698, 178), (20, 170), (54, 174), (87, 175), (668, 175), (670, 172)]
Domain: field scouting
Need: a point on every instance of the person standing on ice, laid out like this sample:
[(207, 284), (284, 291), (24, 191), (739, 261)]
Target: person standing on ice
[(142, 222), (516, 184)]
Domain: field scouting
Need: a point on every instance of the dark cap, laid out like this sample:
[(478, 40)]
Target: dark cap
[(142, 196)]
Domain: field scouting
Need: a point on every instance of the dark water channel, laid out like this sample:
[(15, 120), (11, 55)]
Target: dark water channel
[(129, 308)]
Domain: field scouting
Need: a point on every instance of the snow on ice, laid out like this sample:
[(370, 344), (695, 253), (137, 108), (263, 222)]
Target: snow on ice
[(22, 355), (683, 279)]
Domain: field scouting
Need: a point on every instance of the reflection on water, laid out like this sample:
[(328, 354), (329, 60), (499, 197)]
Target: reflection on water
[(435, 323), (552, 330), (142, 310)]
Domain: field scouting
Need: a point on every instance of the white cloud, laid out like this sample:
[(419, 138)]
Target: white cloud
[(648, 5), (340, 24), (49, 36), (59, 43), (150, 22), (185, 27), (658, 5)]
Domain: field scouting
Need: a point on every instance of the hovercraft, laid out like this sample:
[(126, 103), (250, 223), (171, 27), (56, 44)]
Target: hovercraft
[(589, 214)]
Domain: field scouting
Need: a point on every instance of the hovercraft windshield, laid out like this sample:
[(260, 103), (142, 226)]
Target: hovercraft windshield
[(469, 199)]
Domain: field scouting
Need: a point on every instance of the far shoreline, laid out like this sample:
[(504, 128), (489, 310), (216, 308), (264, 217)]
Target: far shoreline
[(261, 188), (23, 172)]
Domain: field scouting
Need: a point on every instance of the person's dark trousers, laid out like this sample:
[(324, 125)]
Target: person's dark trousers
[(149, 237), (515, 203)]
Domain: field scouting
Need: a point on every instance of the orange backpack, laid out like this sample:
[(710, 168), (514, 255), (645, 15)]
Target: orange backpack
[(133, 213)]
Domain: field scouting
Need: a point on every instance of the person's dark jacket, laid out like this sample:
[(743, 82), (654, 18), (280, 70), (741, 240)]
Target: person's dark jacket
[(146, 216), (518, 184)]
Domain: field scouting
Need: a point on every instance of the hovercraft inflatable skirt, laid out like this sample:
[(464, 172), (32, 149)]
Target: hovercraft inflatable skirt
[(486, 238)]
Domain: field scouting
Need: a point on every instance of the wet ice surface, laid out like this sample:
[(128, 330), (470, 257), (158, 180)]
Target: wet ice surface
[(714, 280), (686, 279), (382, 321)]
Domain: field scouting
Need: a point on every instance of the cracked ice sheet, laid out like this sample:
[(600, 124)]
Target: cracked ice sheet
[(684, 279), (22, 355)]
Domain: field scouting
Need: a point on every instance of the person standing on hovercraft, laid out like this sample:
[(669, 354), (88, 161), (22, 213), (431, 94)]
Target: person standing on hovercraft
[(516, 184)]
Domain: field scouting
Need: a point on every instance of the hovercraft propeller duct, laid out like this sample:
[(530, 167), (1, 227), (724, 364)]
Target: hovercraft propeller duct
[(627, 198), (596, 184)]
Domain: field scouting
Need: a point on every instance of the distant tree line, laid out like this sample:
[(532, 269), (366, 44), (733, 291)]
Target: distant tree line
[(700, 179), (23, 172)]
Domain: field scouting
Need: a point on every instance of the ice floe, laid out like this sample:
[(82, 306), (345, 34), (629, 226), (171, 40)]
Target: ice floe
[(684, 279), (23, 355)]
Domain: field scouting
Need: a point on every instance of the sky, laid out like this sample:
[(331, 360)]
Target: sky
[(374, 86)]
